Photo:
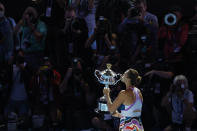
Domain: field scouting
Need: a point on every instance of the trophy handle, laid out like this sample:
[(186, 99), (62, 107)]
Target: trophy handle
[(95, 73)]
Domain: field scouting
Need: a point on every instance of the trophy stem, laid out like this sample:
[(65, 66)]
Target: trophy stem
[(106, 86)]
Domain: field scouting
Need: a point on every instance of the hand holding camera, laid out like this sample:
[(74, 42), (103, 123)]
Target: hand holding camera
[(178, 90), (20, 61), (172, 88), (29, 20), (102, 26)]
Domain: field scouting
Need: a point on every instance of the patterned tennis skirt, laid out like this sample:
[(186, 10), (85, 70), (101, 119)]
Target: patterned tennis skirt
[(131, 124)]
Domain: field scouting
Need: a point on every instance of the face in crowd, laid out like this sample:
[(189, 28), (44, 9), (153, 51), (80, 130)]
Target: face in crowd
[(30, 14), (142, 6), (69, 14), (2, 10)]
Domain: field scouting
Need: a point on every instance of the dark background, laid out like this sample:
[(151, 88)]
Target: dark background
[(14, 8)]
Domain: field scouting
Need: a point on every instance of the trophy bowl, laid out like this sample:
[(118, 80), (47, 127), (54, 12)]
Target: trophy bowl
[(107, 76)]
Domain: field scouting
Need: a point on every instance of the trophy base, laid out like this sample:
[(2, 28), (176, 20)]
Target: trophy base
[(102, 106), (96, 110)]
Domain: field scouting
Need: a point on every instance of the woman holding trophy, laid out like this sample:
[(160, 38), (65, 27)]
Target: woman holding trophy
[(131, 100)]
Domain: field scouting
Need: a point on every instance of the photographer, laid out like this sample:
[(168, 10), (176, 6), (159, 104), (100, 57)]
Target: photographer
[(179, 103), (147, 16), (34, 32), (86, 9), (19, 74), (44, 85), (74, 34), (130, 32), (103, 36), (172, 35), (78, 97)]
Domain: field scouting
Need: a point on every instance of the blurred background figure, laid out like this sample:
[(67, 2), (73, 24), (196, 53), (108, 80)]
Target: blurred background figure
[(103, 36), (72, 38), (86, 9), (33, 32), (146, 16), (133, 37), (173, 34), (19, 74), (7, 36), (179, 103), (45, 99), (77, 96)]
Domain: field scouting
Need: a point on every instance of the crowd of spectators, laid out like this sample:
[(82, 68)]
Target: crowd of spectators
[(47, 64)]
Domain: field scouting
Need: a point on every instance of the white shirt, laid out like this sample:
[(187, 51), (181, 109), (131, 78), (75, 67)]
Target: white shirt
[(18, 92)]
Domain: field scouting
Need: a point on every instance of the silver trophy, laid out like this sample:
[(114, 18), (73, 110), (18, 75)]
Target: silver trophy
[(106, 77)]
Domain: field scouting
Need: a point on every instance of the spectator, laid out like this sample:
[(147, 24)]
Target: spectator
[(130, 31), (74, 35), (103, 35), (44, 86), (86, 9), (77, 96), (179, 103), (155, 84), (54, 18), (6, 36), (193, 20), (34, 32), (19, 74), (173, 37), (3, 92), (147, 16)]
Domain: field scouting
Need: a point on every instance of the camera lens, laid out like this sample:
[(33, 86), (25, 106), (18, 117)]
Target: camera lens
[(75, 60), (20, 59)]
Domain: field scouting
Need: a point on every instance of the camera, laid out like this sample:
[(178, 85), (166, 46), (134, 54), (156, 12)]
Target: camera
[(76, 70), (134, 11), (20, 59), (180, 88), (75, 61), (32, 19), (26, 43), (76, 25), (102, 26), (170, 19)]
